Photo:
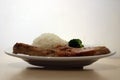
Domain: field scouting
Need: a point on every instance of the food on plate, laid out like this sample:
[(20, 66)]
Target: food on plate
[(59, 51), (49, 44)]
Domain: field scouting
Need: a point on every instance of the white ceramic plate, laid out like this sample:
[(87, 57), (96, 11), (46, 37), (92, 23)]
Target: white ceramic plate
[(58, 61)]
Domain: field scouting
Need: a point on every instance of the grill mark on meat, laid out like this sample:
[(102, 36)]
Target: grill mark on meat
[(60, 51)]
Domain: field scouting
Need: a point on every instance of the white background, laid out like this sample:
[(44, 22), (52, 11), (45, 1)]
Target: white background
[(95, 22)]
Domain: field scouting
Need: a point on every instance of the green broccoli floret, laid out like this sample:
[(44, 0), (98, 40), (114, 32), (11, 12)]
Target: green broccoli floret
[(77, 43)]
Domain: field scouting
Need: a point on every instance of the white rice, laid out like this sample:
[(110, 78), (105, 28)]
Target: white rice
[(48, 41)]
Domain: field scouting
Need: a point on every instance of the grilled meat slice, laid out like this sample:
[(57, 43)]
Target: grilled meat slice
[(21, 48), (60, 51)]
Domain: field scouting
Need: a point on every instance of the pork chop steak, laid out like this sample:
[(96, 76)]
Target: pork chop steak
[(59, 51)]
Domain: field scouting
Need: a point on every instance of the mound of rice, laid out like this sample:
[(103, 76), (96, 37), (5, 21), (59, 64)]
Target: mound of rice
[(48, 41)]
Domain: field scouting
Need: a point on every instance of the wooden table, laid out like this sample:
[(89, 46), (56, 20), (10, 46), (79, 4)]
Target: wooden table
[(12, 68)]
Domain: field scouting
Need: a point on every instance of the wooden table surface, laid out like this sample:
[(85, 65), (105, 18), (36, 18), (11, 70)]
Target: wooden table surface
[(12, 68)]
